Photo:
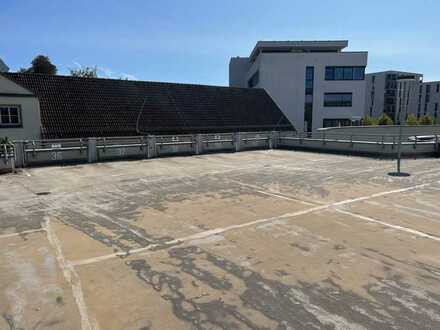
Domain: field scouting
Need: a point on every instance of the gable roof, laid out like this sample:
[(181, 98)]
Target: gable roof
[(83, 107)]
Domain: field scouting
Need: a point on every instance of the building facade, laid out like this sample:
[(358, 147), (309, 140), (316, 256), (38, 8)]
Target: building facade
[(429, 100), (3, 66), (19, 111), (394, 93), (398, 94), (315, 83)]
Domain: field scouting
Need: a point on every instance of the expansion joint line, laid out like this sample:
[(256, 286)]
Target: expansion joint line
[(71, 277)]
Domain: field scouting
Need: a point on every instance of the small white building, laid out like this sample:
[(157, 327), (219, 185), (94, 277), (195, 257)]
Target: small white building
[(315, 83), (19, 111)]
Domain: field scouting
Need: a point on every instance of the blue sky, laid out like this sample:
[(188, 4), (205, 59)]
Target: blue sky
[(191, 41)]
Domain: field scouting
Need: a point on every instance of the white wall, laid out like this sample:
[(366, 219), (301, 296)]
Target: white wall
[(12, 94), (282, 75)]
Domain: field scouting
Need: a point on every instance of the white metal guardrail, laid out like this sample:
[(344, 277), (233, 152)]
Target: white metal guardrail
[(384, 145), (46, 152)]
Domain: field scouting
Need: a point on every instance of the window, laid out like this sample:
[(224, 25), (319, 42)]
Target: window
[(10, 116), (345, 73), (436, 110), (254, 80), (338, 99), (438, 88), (308, 103)]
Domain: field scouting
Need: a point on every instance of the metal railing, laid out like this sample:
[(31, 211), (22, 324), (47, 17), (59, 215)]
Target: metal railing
[(384, 144), (42, 152)]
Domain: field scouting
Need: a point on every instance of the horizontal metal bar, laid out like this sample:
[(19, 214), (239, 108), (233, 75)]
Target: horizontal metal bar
[(256, 139), (114, 146), (218, 141), (352, 141), (174, 143), (55, 149)]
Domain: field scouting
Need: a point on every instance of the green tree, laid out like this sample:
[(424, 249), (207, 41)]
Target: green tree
[(5, 142), (427, 120), (369, 121), (40, 64), (385, 120), (411, 120), (85, 72)]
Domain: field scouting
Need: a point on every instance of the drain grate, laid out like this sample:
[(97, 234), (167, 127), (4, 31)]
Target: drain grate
[(43, 193)]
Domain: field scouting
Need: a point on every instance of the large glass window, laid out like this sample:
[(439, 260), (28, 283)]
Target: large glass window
[(10, 116), (308, 102), (345, 73), (348, 73), (338, 99)]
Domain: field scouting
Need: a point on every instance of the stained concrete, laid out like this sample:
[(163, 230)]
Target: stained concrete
[(253, 240)]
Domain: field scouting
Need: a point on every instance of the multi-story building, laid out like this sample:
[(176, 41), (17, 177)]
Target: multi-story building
[(429, 100), (315, 83), (394, 93)]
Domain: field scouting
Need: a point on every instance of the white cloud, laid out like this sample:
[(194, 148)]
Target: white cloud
[(109, 73)]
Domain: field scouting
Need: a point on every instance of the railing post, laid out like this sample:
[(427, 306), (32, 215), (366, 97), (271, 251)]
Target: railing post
[(152, 150), (20, 154), (92, 151), (237, 139), (274, 139), (436, 143), (199, 144)]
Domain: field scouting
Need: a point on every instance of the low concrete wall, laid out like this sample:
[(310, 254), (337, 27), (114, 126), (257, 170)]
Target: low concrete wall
[(383, 130), (47, 152), (43, 152), (381, 148), (7, 160)]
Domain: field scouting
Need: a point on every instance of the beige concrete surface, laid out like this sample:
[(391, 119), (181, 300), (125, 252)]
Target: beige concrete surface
[(253, 240)]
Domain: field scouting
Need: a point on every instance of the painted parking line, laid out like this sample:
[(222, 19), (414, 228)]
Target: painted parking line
[(21, 233), (385, 224), (221, 230)]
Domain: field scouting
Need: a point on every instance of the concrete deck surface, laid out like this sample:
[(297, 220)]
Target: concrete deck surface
[(260, 240)]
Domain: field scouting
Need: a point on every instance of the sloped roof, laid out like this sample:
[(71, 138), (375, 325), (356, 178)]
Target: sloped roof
[(3, 66), (82, 107)]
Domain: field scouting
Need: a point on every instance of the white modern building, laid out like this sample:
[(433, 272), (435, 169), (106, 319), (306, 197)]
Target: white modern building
[(399, 94), (395, 93), (429, 100), (3, 66), (315, 83)]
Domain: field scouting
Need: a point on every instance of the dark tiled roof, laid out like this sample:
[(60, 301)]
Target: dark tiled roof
[(82, 107)]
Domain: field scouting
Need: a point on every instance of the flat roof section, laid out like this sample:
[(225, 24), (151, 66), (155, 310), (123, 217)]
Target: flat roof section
[(263, 239), (301, 45)]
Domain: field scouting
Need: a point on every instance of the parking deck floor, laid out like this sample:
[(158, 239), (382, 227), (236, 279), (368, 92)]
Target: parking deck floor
[(261, 240)]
